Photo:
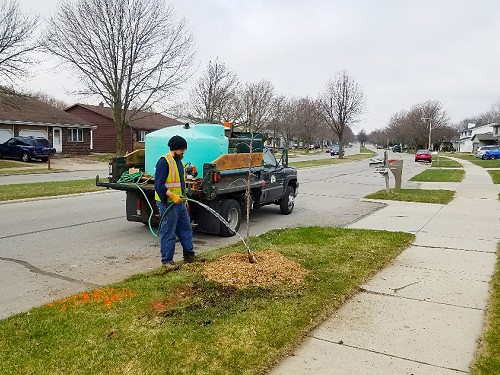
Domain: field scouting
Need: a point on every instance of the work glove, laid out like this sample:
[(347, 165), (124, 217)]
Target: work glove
[(176, 198)]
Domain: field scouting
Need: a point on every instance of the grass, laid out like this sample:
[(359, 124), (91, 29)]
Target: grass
[(488, 357), (206, 328), (46, 189), (444, 162), (486, 163), (440, 175), (495, 176), (323, 162), (104, 157), (365, 150), (13, 164), (465, 156), (415, 195), (479, 162)]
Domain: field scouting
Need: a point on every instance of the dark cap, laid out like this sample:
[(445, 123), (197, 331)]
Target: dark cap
[(177, 143)]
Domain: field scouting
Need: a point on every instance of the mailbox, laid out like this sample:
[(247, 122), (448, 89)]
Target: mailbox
[(396, 167)]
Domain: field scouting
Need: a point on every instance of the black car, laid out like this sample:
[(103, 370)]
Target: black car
[(334, 150), (27, 148), (396, 148)]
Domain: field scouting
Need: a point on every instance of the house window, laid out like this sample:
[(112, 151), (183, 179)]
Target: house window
[(142, 136), (76, 135)]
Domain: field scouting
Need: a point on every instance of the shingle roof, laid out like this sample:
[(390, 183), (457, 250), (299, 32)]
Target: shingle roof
[(483, 137), (26, 109), (141, 120)]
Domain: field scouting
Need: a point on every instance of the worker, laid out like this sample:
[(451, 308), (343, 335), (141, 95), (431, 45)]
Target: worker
[(169, 189)]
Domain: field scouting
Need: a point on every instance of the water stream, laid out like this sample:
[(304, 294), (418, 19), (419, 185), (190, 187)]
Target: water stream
[(222, 220)]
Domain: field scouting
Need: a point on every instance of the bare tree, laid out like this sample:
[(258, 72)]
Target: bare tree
[(16, 40), (413, 128), (213, 98), (307, 119), (362, 137), (255, 104), (341, 104), (46, 98), (131, 53)]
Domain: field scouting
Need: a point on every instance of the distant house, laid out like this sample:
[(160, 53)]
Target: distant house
[(474, 136), (22, 115), (104, 136)]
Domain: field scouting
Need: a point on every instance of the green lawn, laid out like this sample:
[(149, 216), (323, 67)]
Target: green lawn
[(486, 163), (464, 156), (440, 175), (329, 161), (415, 195), (488, 357), (46, 189), (495, 176), (181, 323), (13, 164), (477, 161), (444, 162)]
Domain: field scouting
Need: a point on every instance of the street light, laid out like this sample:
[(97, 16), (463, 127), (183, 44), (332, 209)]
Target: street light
[(430, 129)]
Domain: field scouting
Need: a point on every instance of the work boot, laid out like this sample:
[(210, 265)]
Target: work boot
[(192, 258), (170, 266)]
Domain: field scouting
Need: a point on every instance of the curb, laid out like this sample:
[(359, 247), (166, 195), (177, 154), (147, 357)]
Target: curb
[(107, 191)]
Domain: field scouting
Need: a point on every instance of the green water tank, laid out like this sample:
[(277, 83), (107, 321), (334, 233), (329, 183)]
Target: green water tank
[(206, 142)]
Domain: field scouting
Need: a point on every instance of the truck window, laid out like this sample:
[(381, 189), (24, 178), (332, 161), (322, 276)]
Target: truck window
[(269, 159)]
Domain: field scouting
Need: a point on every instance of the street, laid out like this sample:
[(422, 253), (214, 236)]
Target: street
[(52, 248)]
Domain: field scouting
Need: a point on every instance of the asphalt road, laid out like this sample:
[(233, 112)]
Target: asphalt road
[(52, 248)]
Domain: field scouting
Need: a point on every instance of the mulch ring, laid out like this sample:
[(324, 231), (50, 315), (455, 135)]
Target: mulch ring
[(272, 269)]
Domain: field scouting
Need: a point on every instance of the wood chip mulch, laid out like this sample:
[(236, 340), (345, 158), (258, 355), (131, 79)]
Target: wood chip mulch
[(272, 269)]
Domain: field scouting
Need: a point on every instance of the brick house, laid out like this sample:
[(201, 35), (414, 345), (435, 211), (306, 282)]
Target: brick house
[(104, 136), (22, 115)]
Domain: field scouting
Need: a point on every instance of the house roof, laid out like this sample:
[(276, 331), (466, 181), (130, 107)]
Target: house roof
[(140, 120), (483, 137), (26, 110)]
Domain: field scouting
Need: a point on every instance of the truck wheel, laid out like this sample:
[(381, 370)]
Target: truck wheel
[(287, 202), (231, 211)]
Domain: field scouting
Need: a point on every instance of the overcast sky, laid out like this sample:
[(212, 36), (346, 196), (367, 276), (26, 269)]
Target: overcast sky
[(401, 52)]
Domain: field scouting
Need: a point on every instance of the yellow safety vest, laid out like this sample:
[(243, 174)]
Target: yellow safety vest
[(173, 182)]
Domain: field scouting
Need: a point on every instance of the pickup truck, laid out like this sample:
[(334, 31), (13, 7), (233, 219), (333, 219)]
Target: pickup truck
[(222, 188)]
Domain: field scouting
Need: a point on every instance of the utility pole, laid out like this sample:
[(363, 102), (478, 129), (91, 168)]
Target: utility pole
[(430, 130)]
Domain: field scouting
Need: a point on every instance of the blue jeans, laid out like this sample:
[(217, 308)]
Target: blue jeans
[(175, 223)]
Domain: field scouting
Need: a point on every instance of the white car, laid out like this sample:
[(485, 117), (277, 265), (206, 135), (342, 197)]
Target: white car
[(481, 150)]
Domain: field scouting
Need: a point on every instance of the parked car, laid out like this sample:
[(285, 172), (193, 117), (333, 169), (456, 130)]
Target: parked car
[(424, 155), (481, 150), (396, 148), (491, 154), (334, 150), (27, 148)]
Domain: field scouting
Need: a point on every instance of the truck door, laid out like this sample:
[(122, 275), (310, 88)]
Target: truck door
[(274, 177)]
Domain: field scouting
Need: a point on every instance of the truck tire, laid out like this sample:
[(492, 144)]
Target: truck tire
[(287, 202), (231, 211)]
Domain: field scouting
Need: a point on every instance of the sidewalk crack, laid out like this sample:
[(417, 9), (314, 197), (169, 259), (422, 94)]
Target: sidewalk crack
[(418, 299), (389, 355), (39, 271), (405, 286)]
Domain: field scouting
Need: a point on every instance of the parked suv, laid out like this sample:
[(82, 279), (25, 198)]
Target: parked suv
[(396, 148), (27, 148)]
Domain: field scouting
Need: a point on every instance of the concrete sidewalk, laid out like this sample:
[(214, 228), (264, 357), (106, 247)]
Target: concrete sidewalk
[(424, 313)]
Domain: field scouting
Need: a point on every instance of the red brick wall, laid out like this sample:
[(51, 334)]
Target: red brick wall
[(75, 148), (105, 134)]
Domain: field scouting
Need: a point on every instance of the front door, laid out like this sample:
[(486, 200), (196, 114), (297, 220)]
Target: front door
[(57, 139)]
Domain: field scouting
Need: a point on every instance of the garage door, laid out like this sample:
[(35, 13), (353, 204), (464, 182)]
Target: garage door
[(5, 134), (33, 133)]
